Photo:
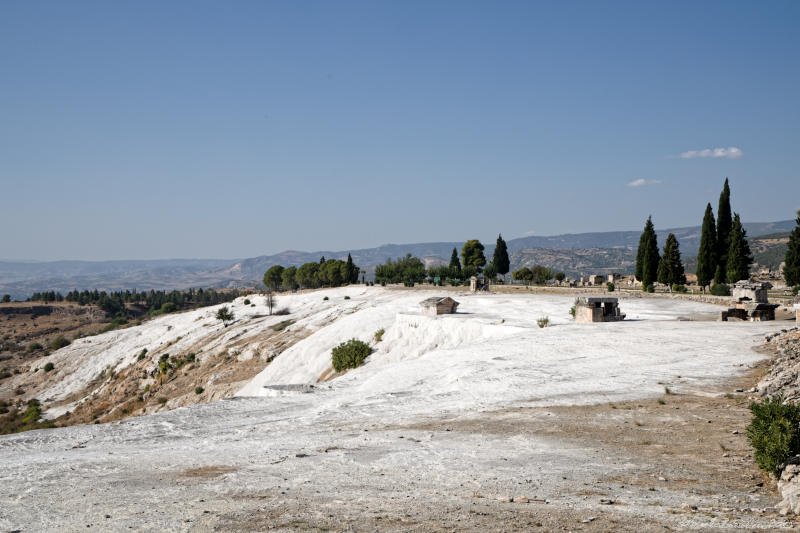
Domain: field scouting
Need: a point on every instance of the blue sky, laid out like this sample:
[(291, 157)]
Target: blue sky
[(234, 129)]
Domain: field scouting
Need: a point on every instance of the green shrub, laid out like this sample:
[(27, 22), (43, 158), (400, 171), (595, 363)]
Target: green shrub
[(610, 287), (679, 288), (325, 299), (379, 335), (141, 354), (650, 288), (163, 364), (346, 297), (280, 326), (572, 311), (350, 354), (246, 301), (59, 342), (34, 346), (720, 289), (774, 432), (543, 322), (796, 290), (48, 367), (162, 400), (198, 390)]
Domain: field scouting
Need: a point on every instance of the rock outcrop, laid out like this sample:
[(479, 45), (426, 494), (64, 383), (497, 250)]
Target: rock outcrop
[(789, 487), (784, 375)]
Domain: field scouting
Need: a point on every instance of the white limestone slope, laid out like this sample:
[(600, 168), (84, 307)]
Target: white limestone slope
[(492, 352), (198, 331)]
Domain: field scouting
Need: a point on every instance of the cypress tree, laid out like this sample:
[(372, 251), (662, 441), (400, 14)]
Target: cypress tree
[(739, 256), (455, 263), (791, 271), (670, 268), (724, 225), (647, 257), (350, 270), (706, 256), (500, 258)]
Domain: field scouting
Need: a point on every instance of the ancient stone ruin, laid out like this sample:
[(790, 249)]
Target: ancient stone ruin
[(797, 309), (597, 309), (751, 302), (438, 306), (478, 283)]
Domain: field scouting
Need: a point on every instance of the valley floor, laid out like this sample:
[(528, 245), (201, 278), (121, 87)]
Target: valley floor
[(494, 425)]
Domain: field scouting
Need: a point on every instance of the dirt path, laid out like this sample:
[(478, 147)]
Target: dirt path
[(679, 462)]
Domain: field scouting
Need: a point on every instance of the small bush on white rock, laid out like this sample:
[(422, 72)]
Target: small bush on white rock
[(350, 354)]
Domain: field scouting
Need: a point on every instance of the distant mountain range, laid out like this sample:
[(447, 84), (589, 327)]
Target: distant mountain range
[(576, 254)]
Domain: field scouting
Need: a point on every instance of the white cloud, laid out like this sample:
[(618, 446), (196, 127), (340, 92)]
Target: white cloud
[(725, 153), (641, 182), (529, 233)]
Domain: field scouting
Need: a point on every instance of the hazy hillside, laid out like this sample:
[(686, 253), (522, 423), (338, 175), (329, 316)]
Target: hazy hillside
[(576, 254)]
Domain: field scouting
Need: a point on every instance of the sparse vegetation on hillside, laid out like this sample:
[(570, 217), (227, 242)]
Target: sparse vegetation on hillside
[(59, 342), (14, 420)]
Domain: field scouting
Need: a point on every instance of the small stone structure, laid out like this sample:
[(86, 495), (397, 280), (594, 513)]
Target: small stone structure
[(477, 283), (797, 309), (752, 302), (596, 280), (438, 306), (597, 309), (754, 291)]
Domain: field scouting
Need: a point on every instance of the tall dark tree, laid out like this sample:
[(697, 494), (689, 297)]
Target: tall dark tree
[(707, 254), (472, 254), (351, 271), (791, 271), (647, 257), (739, 255), (670, 268), (640, 252), (500, 258), (724, 225), (455, 264)]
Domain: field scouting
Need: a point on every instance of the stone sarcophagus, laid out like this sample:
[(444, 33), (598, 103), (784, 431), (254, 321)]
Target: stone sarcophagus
[(597, 309)]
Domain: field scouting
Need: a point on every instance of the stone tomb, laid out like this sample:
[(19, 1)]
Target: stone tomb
[(597, 309), (751, 302), (438, 306)]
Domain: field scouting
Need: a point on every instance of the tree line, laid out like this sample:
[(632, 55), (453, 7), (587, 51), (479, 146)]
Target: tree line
[(153, 301), (409, 269), (326, 273), (724, 255)]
